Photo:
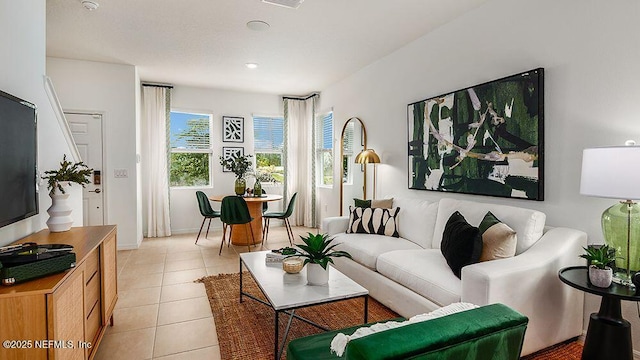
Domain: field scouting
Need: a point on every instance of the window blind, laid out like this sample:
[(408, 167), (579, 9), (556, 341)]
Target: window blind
[(324, 131), (347, 140), (189, 131), (268, 134)]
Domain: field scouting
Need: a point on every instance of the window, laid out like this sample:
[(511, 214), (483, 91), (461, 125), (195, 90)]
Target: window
[(347, 154), (324, 147), (190, 158), (268, 135)]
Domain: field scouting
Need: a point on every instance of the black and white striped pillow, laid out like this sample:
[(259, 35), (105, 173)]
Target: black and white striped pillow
[(373, 221)]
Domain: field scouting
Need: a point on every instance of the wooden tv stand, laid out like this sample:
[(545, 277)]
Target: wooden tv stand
[(63, 316)]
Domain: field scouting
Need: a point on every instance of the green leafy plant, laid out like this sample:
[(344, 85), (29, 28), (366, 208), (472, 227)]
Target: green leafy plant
[(265, 176), (317, 250), (78, 173), (600, 256), (286, 251), (240, 165)]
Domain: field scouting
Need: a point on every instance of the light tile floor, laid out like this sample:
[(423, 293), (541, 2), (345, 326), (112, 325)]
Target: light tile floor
[(161, 313)]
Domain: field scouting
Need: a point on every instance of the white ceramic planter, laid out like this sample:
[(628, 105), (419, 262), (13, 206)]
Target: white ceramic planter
[(600, 277), (316, 275), (60, 212)]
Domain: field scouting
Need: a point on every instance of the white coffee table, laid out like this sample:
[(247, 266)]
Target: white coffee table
[(287, 292)]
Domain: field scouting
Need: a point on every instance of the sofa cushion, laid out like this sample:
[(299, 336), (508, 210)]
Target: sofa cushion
[(365, 248), (375, 203), (528, 224), (423, 271), (373, 221), (361, 203), (416, 220), (498, 239), (461, 243)]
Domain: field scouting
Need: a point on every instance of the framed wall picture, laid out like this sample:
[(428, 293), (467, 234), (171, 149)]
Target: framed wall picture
[(487, 139), (231, 152), (232, 129)]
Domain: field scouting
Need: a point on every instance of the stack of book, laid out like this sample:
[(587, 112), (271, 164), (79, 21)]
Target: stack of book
[(274, 258)]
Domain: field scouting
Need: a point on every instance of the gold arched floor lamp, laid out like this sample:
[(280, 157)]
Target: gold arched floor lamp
[(369, 156)]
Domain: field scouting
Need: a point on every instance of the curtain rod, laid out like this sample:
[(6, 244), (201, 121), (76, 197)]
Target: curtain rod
[(299, 97), (157, 85)]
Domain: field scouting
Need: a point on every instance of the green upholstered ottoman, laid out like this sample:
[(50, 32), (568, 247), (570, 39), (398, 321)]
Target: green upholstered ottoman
[(489, 332)]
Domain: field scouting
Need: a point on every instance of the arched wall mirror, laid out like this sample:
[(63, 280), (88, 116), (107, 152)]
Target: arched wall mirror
[(353, 176)]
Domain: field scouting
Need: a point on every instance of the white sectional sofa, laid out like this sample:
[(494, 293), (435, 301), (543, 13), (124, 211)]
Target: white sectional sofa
[(410, 275)]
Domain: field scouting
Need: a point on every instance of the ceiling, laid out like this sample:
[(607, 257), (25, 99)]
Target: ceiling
[(206, 43)]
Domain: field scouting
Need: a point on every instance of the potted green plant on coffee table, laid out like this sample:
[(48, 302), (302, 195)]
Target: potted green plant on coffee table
[(599, 258), (318, 252)]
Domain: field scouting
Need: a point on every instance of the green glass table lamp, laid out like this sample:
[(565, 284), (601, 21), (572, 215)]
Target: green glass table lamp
[(614, 172)]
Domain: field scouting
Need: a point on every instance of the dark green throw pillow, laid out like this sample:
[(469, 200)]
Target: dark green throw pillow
[(461, 243), (488, 221), (361, 203), (498, 239)]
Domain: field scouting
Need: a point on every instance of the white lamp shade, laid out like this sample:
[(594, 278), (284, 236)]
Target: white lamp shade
[(611, 172)]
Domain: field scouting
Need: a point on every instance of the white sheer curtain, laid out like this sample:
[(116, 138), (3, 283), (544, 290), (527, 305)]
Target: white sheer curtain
[(300, 172), (155, 173)]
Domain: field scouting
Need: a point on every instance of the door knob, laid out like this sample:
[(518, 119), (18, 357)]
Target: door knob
[(97, 191)]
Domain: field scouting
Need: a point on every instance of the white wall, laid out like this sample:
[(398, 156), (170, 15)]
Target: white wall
[(590, 53), (110, 89), (185, 216), (22, 38)]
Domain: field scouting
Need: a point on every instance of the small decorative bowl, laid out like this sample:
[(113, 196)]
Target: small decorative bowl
[(292, 265)]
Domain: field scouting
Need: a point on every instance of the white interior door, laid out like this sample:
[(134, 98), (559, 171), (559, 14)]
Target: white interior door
[(87, 133)]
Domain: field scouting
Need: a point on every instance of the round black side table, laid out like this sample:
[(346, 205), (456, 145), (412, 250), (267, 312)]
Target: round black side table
[(608, 335)]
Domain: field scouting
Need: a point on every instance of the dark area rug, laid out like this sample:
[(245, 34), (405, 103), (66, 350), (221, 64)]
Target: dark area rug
[(246, 330)]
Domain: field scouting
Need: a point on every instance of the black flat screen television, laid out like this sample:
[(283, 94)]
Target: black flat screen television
[(18, 159)]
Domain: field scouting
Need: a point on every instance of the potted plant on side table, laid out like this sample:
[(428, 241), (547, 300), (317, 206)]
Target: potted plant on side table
[(58, 182), (599, 258), (317, 252)]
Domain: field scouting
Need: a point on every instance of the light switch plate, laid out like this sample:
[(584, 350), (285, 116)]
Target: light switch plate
[(120, 173)]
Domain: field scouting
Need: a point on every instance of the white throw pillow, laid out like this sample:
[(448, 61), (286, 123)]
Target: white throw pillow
[(373, 221), (340, 341)]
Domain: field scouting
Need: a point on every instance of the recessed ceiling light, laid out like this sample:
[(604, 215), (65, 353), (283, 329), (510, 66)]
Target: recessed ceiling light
[(251, 65), (291, 4), (90, 5), (258, 25)]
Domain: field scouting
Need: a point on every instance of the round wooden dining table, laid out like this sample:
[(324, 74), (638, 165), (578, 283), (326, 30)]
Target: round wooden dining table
[(254, 203)]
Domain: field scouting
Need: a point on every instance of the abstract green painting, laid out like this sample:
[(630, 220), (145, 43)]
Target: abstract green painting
[(486, 139)]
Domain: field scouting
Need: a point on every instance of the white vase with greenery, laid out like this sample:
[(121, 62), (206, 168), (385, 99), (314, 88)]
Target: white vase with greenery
[(60, 211), (58, 183)]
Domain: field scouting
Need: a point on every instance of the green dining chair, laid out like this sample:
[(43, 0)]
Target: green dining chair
[(206, 211), (280, 215), (234, 211), (265, 205)]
